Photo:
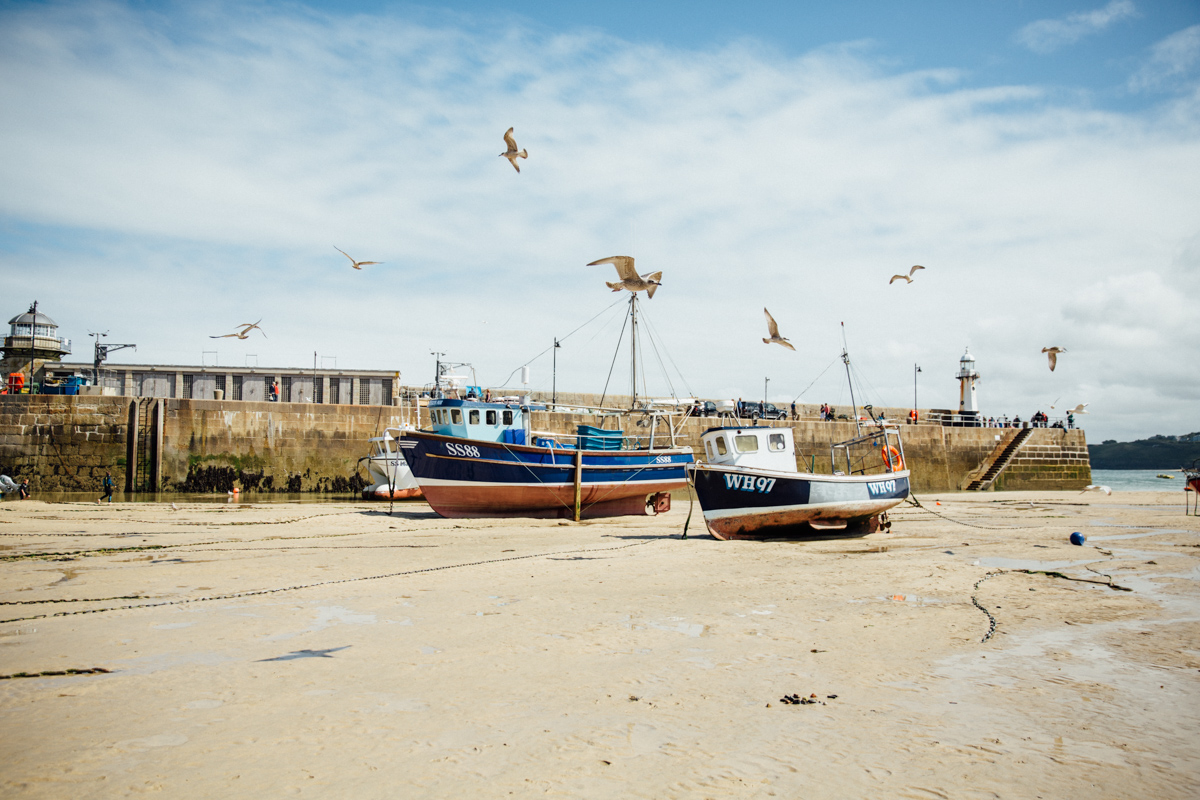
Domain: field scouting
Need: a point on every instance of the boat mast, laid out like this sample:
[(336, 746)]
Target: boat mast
[(846, 360), (633, 345)]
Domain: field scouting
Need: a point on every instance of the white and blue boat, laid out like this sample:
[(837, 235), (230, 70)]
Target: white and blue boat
[(482, 459), (751, 488)]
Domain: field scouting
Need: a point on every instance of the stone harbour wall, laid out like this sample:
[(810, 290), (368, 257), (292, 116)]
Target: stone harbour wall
[(65, 444), (1050, 459), (939, 458)]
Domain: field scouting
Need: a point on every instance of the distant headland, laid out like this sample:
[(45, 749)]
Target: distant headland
[(1157, 452)]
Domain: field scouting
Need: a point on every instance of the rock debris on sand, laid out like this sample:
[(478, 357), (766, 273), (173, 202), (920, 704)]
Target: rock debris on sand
[(424, 657)]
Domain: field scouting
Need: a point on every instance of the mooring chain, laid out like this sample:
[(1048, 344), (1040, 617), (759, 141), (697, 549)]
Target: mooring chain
[(73, 600), (53, 673), (236, 595), (974, 599), (136, 548), (913, 501)]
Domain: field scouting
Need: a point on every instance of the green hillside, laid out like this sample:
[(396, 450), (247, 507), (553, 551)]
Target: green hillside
[(1157, 452)]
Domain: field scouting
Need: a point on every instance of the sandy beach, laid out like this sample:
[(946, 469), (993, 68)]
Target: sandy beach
[(329, 650)]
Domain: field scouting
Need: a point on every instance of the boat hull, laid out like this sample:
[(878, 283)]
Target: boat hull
[(392, 479), (463, 478), (742, 503)]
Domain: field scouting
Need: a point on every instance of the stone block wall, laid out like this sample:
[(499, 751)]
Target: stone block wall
[(939, 458), (1051, 458), (63, 444), (214, 445)]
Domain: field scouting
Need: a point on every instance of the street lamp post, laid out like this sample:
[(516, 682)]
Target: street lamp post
[(916, 369), (766, 383)]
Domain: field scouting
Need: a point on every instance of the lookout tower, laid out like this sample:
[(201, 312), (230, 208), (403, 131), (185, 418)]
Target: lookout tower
[(967, 376), (32, 340)]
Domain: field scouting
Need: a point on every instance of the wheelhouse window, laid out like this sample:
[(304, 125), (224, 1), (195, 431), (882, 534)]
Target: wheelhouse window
[(721, 450), (775, 442), (508, 416), (709, 447), (747, 443), (473, 416), (456, 416), (491, 417)]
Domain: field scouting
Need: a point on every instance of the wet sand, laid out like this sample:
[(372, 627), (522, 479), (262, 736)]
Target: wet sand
[(331, 650)]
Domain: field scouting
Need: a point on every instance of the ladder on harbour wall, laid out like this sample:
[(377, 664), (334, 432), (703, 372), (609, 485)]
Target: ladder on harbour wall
[(143, 445), (999, 460)]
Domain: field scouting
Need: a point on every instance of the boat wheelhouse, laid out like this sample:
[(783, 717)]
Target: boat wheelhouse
[(750, 486)]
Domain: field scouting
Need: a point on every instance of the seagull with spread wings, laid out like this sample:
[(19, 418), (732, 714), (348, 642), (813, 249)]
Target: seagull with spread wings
[(512, 153), (1079, 409), (908, 277), (773, 329), (1052, 354), (244, 333), (629, 279), (353, 263)]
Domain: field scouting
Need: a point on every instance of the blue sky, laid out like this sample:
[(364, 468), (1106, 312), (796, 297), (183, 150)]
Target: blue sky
[(170, 170)]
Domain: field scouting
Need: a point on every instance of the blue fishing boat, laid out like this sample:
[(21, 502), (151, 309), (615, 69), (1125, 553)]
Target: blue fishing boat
[(482, 459)]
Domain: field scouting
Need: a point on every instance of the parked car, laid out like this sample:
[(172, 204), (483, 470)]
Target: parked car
[(752, 410)]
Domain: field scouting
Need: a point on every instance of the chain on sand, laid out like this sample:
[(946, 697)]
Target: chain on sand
[(236, 595), (975, 599), (913, 501)]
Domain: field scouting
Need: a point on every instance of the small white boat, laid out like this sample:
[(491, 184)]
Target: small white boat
[(750, 487), (391, 479)]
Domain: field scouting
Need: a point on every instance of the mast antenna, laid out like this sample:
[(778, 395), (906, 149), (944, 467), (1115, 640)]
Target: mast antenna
[(846, 360)]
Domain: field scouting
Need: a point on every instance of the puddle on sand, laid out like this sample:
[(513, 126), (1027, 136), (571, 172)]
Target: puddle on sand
[(1154, 532), (693, 630), (1023, 563)]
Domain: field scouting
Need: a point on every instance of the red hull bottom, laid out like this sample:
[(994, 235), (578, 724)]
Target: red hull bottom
[(550, 502), (382, 494)]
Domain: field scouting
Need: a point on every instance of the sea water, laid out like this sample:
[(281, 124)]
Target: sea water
[(1138, 480)]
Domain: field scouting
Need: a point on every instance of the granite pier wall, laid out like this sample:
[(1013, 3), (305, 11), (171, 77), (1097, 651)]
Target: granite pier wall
[(65, 444), (940, 458)]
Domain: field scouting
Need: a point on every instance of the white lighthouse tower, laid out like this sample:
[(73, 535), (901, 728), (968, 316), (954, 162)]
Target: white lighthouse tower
[(967, 376)]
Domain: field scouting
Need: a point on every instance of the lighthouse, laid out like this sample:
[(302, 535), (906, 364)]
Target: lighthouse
[(967, 376)]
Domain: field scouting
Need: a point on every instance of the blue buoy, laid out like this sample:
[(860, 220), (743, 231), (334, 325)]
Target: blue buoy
[(1078, 538)]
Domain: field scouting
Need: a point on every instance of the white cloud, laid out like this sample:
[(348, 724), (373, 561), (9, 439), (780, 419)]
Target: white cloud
[(1175, 57), (1047, 35), (169, 176)]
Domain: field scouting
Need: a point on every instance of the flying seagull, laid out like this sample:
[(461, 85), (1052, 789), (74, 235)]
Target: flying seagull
[(1053, 354), (355, 264), (907, 277), (512, 153), (244, 333), (773, 329), (629, 278), (1079, 409), (1091, 487)]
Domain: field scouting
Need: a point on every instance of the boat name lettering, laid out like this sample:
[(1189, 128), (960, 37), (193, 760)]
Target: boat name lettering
[(462, 450), (748, 483), (663, 460), (883, 487)]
